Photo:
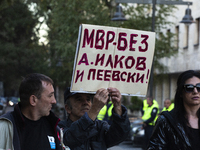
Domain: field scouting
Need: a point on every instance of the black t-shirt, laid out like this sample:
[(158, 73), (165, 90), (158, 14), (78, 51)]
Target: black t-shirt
[(38, 135), (194, 138)]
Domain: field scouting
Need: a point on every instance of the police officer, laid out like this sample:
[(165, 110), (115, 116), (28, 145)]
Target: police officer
[(168, 105), (106, 113), (145, 105), (149, 117)]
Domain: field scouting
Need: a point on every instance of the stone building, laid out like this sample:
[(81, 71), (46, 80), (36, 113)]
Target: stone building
[(188, 55)]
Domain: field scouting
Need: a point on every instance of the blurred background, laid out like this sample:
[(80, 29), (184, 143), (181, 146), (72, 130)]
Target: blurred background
[(41, 36)]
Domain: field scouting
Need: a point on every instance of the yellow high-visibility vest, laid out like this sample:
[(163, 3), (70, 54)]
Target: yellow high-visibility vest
[(102, 112), (147, 113), (169, 108), (145, 105), (110, 109)]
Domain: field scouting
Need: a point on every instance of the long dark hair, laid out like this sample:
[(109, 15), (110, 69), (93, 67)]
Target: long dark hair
[(179, 109)]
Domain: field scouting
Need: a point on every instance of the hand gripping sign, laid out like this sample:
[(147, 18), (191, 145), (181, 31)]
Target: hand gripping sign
[(113, 57)]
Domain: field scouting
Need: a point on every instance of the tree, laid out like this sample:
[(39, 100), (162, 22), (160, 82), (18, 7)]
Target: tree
[(63, 22), (5, 3), (134, 104), (20, 52), (67, 15), (141, 19), (63, 18)]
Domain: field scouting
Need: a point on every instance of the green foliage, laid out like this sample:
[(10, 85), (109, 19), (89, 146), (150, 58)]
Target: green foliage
[(5, 3), (21, 54), (125, 101), (135, 104), (63, 23), (141, 19), (66, 15)]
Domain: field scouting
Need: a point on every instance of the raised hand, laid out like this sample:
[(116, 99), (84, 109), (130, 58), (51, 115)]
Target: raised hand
[(115, 97), (99, 100)]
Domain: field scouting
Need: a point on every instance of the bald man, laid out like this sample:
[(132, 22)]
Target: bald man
[(168, 105)]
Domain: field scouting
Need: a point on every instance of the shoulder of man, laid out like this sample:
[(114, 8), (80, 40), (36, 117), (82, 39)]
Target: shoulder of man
[(62, 123), (5, 125), (6, 130)]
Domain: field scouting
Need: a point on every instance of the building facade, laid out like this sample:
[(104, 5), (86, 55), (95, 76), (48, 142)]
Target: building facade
[(188, 51)]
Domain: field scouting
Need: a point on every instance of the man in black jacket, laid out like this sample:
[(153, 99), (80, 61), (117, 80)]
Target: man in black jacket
[(83, 131), (32, 125)]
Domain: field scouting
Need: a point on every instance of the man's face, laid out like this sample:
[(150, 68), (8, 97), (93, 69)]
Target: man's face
[(167, 103), (47, 99), (149, 102), (80, 103)]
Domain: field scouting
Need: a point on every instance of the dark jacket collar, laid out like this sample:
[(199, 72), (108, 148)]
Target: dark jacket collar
[(20, 121)]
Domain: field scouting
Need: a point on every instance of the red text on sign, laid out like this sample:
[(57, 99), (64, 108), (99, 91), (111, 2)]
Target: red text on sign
[(101, 39), (108, 75)]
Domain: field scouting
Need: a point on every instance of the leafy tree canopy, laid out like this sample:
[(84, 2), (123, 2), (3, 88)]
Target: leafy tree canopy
[(20, 52), (65, 16)]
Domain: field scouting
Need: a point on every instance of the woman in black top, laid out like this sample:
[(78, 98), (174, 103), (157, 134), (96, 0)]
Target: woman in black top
[(179, 128)]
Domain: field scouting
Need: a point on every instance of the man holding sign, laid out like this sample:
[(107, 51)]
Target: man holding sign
[(83, 131), (105, 57)]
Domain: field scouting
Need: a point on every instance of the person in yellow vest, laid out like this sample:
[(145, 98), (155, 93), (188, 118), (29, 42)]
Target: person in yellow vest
[(106, 113), (149, 117), (145, 105), (168, 105)]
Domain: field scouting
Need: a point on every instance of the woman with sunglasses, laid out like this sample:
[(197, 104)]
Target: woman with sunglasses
[(179, 128)]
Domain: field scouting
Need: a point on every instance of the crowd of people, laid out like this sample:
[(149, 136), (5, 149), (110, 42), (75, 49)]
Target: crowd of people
[(150, 112), (99, 121), (33, 126)]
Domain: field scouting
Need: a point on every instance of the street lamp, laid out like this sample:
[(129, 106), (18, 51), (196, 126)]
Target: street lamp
[(187, 19), (118, 15)]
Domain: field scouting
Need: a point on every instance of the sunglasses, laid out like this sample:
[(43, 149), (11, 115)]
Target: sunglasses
[(190, 88)]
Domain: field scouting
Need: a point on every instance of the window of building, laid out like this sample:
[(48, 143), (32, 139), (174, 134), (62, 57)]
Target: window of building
[(196, 32), (176, 41), (169, 35), (186, 36)]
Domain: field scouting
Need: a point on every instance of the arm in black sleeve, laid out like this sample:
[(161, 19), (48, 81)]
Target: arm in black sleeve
[(79, 131), (119, 129), (158, 139), (141, 109)]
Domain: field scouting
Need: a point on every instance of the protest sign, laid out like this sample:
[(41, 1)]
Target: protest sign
[(113, 57)]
